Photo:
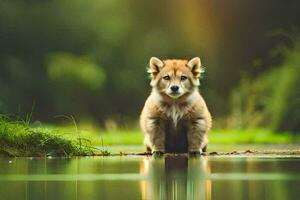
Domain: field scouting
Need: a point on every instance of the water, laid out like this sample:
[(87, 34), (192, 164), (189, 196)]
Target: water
[(137, 177)]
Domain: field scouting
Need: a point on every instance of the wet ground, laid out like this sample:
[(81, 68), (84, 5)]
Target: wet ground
[(143, 177), (212, 148)]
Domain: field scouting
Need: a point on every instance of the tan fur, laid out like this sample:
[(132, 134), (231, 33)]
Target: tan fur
[(185, 106)]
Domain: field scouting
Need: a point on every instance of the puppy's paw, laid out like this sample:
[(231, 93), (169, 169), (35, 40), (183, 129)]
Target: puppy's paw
[(157, 154)]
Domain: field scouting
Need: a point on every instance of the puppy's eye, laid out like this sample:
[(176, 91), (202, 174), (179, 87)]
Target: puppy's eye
[(183, 78), (166, 78)]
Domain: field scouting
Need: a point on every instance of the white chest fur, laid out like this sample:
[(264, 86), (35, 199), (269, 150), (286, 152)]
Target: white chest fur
[(175, 113)]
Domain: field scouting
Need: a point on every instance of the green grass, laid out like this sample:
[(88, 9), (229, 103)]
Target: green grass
[(252, 136), (135, 137), (17, 138)]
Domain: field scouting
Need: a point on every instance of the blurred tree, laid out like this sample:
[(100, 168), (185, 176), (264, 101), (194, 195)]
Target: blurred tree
[(67, 70), (273, 99)]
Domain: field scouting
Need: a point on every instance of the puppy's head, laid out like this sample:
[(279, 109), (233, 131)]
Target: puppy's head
[(175, 77)]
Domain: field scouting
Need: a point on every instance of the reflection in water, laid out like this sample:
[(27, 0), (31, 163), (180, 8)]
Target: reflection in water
[(132, 178), (176, 177), (62, 179)]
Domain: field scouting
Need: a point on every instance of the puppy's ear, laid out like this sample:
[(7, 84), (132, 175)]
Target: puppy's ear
[(155, 66), (195, 66)]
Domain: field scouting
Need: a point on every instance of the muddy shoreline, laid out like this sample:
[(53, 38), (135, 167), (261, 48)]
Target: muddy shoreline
[(214, 153)]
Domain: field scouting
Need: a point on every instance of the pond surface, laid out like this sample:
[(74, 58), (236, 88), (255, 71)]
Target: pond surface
[(138, 177)]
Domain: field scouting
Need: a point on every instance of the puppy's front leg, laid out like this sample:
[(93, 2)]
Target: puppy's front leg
[(197, 135), (156, 133)]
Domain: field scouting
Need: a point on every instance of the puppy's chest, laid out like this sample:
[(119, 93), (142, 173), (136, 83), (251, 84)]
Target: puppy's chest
[(175, 113)]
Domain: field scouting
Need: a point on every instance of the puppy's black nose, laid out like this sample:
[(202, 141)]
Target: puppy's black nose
[(174, 88)]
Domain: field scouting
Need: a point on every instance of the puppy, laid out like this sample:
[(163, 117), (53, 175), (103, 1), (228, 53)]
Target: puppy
[(175, 117)]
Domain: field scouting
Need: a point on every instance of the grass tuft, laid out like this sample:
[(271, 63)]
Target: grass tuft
[(17, 138)]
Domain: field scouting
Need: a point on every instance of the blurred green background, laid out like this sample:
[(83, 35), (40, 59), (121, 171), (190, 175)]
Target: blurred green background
[(88, 59)]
